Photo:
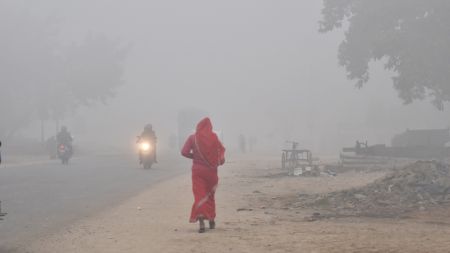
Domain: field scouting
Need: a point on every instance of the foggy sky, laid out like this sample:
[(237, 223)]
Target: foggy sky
[(257, 67)]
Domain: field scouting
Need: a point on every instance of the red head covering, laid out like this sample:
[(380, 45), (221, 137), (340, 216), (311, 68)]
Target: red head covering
[(208, 144)]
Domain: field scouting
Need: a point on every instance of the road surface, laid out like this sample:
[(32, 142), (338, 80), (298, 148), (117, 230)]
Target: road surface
[(42, 197)]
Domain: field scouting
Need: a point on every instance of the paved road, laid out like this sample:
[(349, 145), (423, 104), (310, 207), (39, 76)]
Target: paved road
[(42, 197)]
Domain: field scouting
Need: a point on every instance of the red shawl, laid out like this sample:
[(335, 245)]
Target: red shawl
[(208, 143)]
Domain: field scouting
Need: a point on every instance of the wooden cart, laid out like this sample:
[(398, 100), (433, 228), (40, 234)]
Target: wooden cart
[(294, 158)]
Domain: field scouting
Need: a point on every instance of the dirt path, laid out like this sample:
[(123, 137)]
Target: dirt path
[(157, 220)]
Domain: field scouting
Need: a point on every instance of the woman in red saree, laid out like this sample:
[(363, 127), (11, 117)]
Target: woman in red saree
[(207, 153)]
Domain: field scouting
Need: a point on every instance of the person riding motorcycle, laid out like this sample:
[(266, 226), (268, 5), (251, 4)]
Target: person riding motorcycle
[(65, 138), (148, 135)]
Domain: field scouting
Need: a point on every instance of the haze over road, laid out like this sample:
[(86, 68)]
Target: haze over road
[(43, 197)]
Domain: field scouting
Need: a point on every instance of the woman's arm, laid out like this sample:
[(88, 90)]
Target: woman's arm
[(187, 151), (222, 154)]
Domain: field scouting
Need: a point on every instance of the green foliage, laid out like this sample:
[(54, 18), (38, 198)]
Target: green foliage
[(412, 37)]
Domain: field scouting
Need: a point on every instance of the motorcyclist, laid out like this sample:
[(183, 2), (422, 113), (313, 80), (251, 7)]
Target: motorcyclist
[(148, 135), (65, 138)]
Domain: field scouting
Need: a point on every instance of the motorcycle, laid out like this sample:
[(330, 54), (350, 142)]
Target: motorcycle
[(2, 214), (146, 153), (64, 153)]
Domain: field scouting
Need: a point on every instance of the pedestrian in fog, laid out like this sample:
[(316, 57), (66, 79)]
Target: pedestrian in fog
[(207, 153), (242, 144)]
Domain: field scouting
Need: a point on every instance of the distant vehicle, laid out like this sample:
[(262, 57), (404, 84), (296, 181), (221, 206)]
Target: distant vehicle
[(147, 146), (147, 153), (64, 141), (2, 214), (64, 153)]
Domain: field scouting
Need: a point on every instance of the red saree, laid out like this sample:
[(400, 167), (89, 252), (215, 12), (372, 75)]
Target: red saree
[(207, 153)]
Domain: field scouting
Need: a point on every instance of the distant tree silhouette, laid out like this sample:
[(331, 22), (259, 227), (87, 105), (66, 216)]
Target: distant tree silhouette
[(411, 36), (41, 79), (94, 69)]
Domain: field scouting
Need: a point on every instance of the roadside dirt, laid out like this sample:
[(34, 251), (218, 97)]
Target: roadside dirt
[(255, 214), (418, 186)]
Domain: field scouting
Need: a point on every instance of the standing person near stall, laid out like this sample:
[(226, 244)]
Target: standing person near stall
[(207, 154)]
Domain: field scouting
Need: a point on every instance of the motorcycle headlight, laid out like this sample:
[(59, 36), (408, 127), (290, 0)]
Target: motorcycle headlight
[(145, 146)]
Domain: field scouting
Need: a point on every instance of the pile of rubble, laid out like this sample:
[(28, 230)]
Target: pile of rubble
[(418, 186), (312, 171), (305, 171)]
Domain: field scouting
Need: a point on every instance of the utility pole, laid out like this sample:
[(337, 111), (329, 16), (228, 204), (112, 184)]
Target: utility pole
[(42, 132)]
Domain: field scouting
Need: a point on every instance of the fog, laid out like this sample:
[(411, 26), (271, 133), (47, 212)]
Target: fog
[(258, 68)]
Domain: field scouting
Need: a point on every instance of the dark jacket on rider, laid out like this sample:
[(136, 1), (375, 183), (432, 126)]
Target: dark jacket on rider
[(148, 135), (64, 137)]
